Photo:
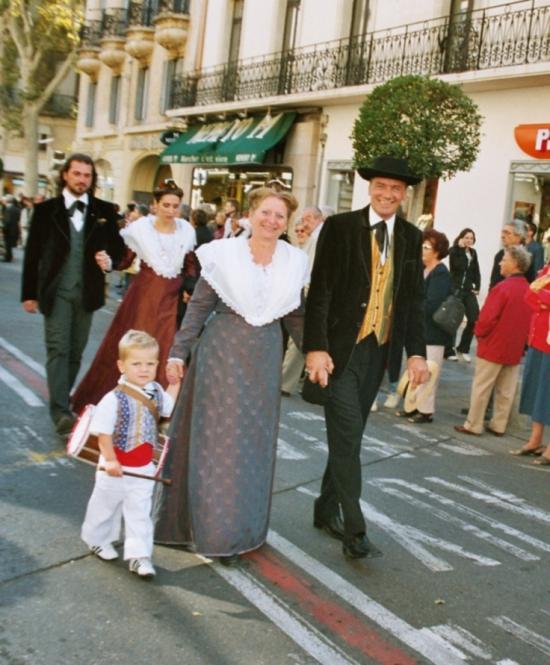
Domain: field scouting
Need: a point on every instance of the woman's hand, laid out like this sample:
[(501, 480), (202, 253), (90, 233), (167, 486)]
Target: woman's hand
[(175, 371)]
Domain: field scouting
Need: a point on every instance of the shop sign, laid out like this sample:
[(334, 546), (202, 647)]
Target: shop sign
[(534, 140)]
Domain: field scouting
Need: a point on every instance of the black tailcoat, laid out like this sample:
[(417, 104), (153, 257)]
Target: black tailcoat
[(48, 246), (340, 289)]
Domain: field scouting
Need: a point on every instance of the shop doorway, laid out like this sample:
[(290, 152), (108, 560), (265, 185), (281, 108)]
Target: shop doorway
[(147, 174)]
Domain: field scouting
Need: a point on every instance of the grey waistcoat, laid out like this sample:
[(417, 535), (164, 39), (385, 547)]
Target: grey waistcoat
[(71, 273)]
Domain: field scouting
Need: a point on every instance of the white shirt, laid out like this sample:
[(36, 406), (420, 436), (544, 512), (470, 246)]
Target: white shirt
[(374, 218), (77, 218), (311, 245), (244, 223)]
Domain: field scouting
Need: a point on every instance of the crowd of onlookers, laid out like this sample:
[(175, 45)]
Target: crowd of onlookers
[(16, 214)]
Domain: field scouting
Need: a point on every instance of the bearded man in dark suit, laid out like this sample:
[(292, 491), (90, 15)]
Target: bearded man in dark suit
[(365, 304), (73, 240)]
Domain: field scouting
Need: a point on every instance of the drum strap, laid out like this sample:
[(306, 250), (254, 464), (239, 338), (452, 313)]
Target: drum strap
[(148, 403)]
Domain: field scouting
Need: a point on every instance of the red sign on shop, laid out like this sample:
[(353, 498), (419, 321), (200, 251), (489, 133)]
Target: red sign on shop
[(534, 140)]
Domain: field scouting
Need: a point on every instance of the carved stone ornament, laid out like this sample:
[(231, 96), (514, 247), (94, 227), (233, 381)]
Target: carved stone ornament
[(171, 32), (140, 42), (88, 61), (112, 53)]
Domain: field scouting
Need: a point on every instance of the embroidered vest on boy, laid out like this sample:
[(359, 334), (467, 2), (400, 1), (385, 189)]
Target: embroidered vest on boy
[(378, 316), (136, 430)]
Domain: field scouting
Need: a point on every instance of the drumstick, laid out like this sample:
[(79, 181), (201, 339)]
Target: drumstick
[(164, 481)]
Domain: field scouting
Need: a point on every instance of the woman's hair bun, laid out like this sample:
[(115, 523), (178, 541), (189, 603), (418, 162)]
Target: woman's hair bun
[(167, 186)]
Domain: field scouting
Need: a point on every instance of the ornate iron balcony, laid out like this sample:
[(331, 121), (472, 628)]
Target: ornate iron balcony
[(141, 13), (91, 33), (174, 6), (513, 34), (115, 22)]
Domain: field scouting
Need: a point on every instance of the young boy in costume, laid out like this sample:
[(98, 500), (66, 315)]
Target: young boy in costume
[(126, 424)]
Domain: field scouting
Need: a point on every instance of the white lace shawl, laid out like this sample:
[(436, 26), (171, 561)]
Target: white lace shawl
[(142, 238), (260, 294)]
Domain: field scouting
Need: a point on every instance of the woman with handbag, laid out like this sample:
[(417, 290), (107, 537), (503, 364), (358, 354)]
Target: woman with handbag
[(535, 390), (464, 268), (437, 287)]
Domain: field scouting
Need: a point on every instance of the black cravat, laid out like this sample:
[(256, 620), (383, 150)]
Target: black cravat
[(76, 205), (380, 231)]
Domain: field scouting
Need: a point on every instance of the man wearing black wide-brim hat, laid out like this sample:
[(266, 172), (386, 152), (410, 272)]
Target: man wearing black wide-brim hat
[(365, 304)]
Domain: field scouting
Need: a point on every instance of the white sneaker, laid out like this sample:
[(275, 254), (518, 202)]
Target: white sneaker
[(374, 407), (104, 552), (453, 357), (392, 400), (466, 357), (142, 567)]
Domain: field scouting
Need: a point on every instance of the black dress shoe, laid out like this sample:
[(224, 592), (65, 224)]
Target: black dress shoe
[(64, 424), (334, 526), (360, 547)]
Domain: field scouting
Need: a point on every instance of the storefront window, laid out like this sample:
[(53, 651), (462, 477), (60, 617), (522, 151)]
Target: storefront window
[(215, 185), (530, 194), (340, 186)]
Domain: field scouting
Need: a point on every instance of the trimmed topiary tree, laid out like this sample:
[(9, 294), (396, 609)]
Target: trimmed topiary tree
[(433, 124)]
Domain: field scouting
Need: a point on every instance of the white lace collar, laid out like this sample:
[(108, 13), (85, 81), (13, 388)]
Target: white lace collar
[(259, 294), (163, 252)]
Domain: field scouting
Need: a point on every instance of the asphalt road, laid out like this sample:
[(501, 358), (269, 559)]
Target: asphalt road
[(464, 527)]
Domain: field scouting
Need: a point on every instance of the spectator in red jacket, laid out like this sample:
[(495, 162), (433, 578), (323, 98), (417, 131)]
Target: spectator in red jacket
[(501, 330), (535, 391)]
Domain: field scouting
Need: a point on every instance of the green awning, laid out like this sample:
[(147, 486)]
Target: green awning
[(228, 143)]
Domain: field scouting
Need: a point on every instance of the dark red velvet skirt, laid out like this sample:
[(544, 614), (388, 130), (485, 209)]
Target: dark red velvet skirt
[(150, 304)]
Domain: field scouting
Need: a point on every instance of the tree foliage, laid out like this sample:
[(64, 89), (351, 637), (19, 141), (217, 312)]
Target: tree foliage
[(39, 41), (38, 47), (433, 124)]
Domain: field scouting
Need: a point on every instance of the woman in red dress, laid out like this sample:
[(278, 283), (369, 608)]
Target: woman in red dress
[(150, 304)]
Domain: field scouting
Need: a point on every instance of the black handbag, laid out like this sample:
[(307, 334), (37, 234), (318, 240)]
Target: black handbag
[(448, 316), (314, 393)]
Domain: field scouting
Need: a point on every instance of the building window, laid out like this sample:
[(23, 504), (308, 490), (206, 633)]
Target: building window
[(291, 24), (90, 104), (171, 69), (114, 102), (236, 28), (340, 186), (141, 93)]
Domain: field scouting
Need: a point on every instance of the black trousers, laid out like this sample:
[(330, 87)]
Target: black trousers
[(346, 413), (471, 307)]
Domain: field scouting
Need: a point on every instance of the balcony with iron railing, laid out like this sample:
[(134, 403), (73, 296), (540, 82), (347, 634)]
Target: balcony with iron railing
[(513, 34), (114, 22)]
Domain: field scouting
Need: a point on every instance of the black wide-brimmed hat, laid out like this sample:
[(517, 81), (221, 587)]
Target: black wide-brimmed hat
[(389, 167)]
